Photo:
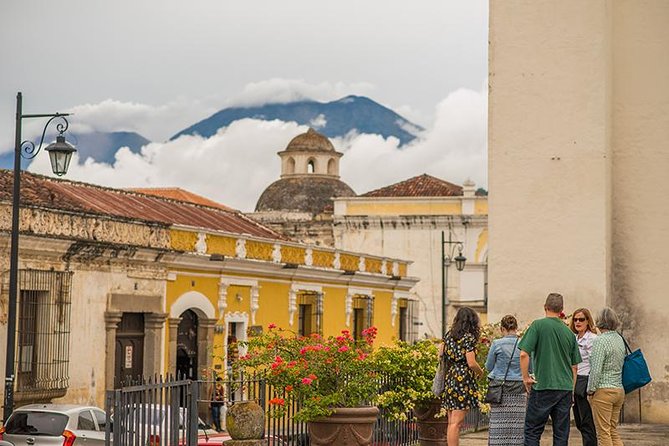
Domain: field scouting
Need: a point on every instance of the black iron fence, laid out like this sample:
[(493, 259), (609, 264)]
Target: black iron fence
[(165, 413), (153, 413)]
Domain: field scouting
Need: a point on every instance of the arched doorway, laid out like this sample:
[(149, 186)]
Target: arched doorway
[(187, 351)]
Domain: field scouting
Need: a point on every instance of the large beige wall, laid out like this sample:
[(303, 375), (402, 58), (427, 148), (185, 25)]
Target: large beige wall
[(578, 129), (549, 154), (640, 113)]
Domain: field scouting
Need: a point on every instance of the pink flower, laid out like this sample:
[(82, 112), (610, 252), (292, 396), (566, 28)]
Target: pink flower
[(307, 381), (343, 348)]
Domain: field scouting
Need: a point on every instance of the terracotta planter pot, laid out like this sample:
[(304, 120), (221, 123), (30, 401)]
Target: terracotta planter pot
[(347, 426), (431, 430)]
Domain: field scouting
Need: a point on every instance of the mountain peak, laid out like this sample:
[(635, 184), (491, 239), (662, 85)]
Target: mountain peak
[(336, 119)]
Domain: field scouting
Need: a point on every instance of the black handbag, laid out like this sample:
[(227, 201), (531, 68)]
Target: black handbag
[(495, 386)]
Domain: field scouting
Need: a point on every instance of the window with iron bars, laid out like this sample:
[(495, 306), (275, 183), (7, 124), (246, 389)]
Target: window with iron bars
[(310, 313), (43, 335), (363, 314), (407, 321)]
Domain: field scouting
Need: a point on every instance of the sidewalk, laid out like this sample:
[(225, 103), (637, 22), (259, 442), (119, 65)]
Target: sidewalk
[(632, 435)]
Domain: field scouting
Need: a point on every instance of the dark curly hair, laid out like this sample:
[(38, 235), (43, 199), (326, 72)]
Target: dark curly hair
[(509, 322), (466, 321)]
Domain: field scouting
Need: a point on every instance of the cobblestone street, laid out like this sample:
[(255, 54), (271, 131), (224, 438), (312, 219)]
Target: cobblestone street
[(632, 435)]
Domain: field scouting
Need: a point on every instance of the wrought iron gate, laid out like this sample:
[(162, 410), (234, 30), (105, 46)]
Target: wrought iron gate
[(149, 413)]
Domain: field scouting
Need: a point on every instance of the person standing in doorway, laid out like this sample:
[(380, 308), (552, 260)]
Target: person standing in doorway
[(217, 400), (460, 353), (554, 352), (583, 327)]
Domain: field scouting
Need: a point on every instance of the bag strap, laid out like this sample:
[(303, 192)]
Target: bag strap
[(510, 358), (627, 346)]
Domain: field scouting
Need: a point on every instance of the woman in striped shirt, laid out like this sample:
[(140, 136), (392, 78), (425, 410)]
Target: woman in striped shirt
[(605, 385)]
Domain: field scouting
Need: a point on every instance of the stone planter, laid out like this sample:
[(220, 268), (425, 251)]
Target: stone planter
[(245, 420), (431, 430), (347, 426)]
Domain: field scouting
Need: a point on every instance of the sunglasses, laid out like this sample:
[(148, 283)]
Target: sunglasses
[(580, 319)]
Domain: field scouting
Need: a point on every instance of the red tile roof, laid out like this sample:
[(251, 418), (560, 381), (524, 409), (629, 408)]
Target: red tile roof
[(420, 186), (83, 198), (179, 194)]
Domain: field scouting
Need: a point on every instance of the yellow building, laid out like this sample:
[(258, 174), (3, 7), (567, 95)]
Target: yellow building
[(131, 284), (225, 286)]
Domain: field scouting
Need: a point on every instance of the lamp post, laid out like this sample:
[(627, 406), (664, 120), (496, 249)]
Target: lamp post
[(447, 257), (60, 154)]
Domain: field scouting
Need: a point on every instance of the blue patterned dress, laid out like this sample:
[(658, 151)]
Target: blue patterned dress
[(461, 391)]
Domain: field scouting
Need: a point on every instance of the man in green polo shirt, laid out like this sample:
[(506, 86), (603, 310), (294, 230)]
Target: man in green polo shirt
[(554, 352)]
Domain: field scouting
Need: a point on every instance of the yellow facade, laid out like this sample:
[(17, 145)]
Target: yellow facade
[(258, 279), (274, 304)]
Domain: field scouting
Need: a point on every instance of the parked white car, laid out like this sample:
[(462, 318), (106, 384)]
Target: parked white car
[(55, 425)]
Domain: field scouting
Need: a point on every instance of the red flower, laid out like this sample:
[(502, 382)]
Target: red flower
[(271, 326), (307, 381), (277, 402), (289, 388)]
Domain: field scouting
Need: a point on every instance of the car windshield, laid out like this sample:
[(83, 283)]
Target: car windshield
[(36, 423)]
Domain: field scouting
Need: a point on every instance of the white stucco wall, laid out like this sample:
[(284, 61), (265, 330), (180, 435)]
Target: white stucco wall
[(91, 289), (419, 239), (578, 162)]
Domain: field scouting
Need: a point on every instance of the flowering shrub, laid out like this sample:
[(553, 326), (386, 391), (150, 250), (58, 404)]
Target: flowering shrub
[(409, 370), (320, 373)]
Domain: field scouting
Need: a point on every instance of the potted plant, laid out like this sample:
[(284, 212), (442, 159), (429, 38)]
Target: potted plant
[(409, 370), (332, 379)]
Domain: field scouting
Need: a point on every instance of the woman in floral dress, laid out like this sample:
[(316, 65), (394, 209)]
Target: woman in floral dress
[(461, 391)]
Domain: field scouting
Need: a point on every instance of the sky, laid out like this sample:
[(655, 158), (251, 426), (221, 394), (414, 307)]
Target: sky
[(156, 67)]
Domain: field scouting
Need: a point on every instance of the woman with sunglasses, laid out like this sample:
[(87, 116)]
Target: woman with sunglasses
[(583, 326)]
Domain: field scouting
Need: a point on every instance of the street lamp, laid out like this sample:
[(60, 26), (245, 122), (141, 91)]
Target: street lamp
[(60, 154), (447, 257)]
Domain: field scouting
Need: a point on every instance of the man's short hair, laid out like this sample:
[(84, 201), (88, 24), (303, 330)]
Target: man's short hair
[(554, 302)]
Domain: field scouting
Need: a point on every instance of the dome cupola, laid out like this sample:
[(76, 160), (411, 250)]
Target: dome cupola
[(309, 177), (309, 154)]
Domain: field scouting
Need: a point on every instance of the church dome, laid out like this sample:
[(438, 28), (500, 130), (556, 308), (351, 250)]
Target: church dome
[(302, 194), (311, 141)]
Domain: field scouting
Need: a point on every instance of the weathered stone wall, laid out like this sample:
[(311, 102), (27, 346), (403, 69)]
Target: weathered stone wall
[(301, 227), (107, 257)]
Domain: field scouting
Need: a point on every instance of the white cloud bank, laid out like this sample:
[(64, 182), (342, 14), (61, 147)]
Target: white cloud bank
[(239, 162)]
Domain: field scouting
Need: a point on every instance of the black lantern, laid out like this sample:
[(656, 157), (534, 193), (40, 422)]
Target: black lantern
[(60, 153), (460, 261)]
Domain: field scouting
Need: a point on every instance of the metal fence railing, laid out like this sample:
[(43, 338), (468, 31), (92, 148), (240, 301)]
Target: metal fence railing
[(153, 413), (165, 413)]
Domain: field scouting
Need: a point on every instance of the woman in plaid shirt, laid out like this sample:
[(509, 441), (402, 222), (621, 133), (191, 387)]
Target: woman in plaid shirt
[(605, 385)]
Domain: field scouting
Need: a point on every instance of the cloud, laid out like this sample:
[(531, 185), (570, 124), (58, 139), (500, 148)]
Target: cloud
[(156, 123), (319, 121), (239, 162)]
